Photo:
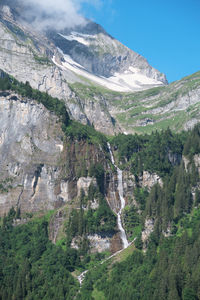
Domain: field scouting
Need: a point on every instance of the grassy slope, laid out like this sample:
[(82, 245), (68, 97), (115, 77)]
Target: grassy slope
[(153, 109)]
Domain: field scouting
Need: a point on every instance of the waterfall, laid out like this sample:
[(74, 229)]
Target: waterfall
[(125, 242), (122, 201)]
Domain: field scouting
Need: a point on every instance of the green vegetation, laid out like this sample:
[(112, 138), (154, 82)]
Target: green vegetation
[(91, 90), (171, 273), (149, 152), (100, 220), (52, 104), (6, 185), (72, 129), (157, 104), (31, 267), (192, 145), (132, 222), (78, 131), (170, 268), (160, 153), (42, 60)]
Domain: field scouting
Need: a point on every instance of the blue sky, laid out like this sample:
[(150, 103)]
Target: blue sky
[(166, 33)]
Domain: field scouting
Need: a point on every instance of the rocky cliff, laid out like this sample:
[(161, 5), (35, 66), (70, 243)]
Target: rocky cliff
[(83, 65), (42, 170), (100, 54), (42, 59), (30, 147)]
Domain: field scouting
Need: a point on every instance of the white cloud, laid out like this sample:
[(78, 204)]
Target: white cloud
[(57, 14)]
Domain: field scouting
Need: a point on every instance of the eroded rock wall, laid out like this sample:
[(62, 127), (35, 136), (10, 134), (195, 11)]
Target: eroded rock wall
[(30, 148)]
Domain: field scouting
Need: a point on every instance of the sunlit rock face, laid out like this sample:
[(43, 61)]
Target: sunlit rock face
[(29, 153), (52, 60)]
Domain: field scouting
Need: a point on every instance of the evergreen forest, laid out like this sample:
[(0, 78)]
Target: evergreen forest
[(164, 267)]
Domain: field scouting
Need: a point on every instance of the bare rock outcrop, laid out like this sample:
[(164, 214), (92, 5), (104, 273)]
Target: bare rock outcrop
[(148, 180), (29, 153), (148, 229)]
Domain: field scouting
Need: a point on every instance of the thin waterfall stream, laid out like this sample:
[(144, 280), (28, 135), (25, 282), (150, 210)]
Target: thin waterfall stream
[(125, 242), (122, 201)]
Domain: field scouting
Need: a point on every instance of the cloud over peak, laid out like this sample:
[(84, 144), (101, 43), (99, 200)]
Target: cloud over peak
[(54, 14)]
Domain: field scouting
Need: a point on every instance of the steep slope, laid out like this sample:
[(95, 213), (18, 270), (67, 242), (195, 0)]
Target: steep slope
[(96, 52), (69, 172), (51, 61), (175, 106), (166, 263), (51, 163), (30, 56), (30, 152), (89, 51)]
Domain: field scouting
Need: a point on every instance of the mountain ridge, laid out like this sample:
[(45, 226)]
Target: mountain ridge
[(48, 69), (65, 182)]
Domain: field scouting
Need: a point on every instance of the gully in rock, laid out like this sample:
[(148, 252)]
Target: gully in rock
[(122, 200)]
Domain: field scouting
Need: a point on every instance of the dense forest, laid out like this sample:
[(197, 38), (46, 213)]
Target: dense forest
[(168, 270), (31, 267), (170, 266), (166, 266)]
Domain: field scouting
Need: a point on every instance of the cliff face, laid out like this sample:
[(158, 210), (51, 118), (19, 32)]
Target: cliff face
[(79, 66), (30, 147), (99, 53), (40, 58), (24, 56), (42, 169)]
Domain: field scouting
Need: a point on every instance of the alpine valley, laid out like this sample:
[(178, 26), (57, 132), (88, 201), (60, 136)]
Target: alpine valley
[(99, 168)]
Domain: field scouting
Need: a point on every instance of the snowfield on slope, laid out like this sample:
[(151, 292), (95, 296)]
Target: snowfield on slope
[(130, 80)]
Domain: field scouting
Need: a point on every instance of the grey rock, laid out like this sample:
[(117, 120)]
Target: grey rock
[(29, 154)]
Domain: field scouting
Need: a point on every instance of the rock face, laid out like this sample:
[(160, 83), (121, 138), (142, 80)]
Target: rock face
[(56, 225), (35, 57), (28, 59), (40, 172), (148, 180), (84, 183), (148, 229), (24, 61), (100, 54), (99, 243), (29, 153), (37, 170), (74, 64), (197, 161)]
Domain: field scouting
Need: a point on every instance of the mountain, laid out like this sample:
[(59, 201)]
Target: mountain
[(77, 65), (89, 51), (89, 210), (64, 182), (52, 61)]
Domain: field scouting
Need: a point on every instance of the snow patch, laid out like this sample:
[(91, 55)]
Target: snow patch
[(81, 38), (130, 80)]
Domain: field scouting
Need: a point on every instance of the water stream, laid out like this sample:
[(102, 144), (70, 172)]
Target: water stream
[(125, 242), (122, 201)]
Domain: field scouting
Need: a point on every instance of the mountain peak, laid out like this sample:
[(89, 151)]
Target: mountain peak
[(91, 52)]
